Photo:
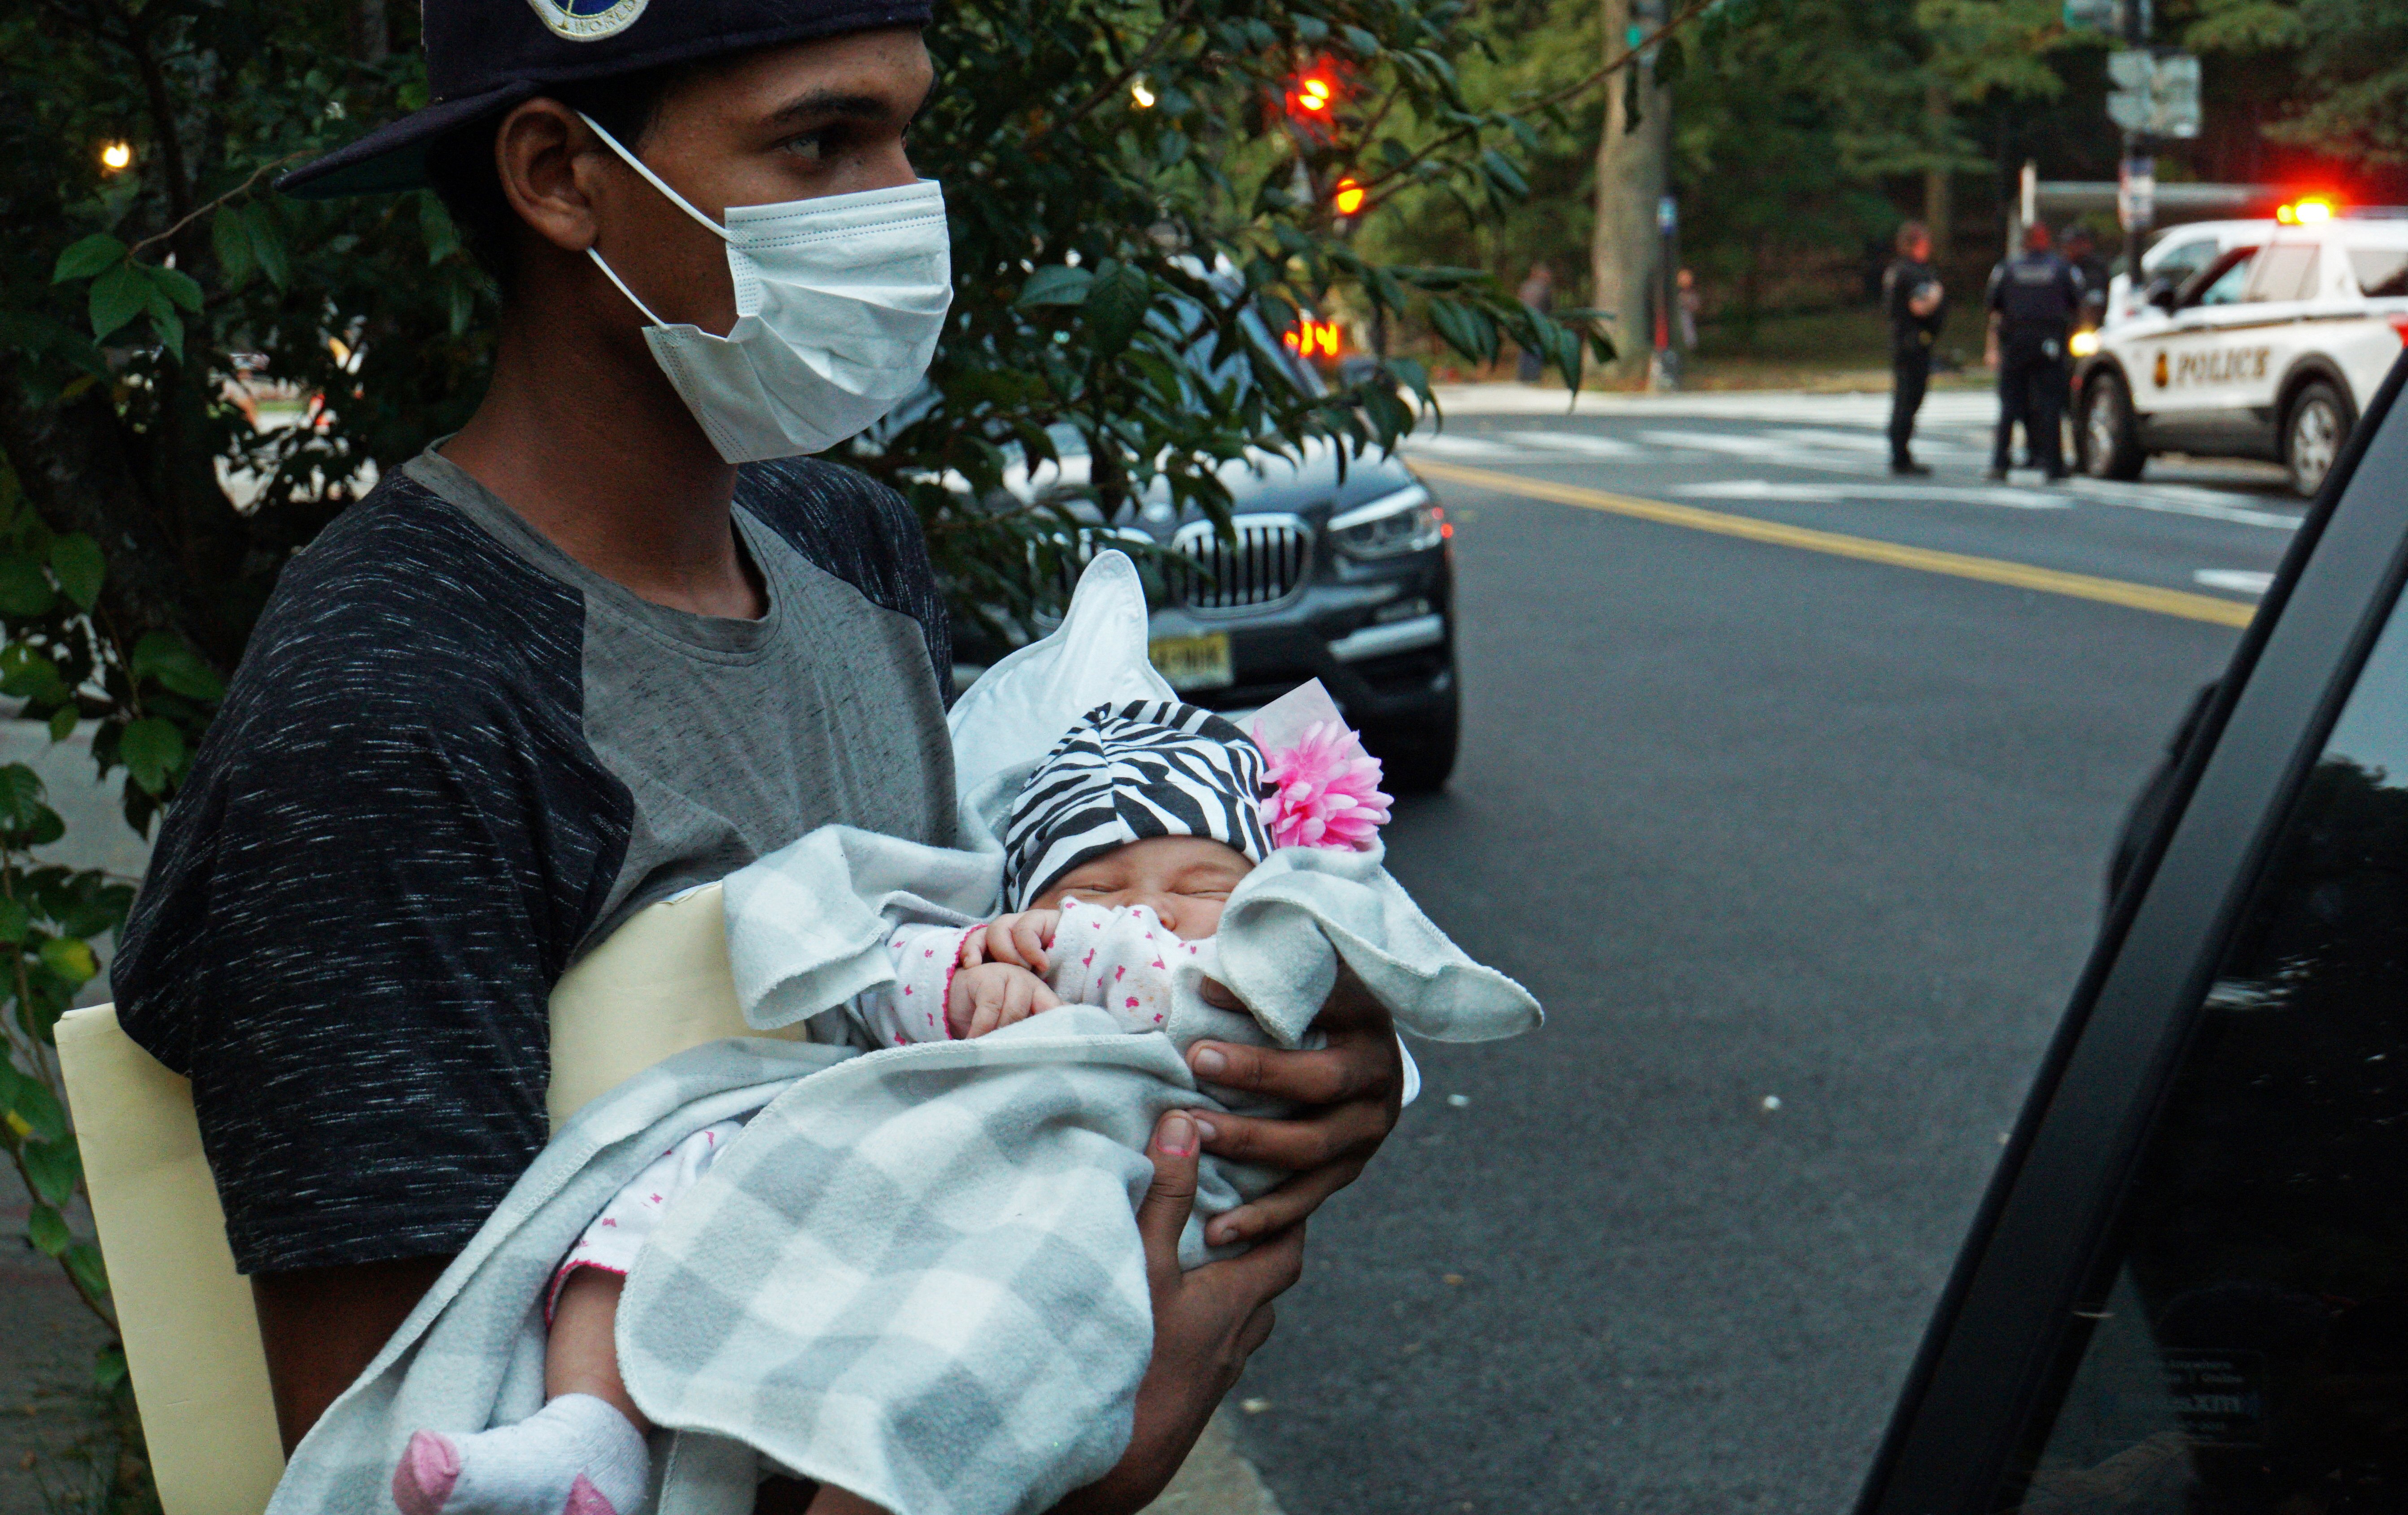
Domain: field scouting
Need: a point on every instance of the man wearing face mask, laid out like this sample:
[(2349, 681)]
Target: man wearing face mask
[(617, 637)]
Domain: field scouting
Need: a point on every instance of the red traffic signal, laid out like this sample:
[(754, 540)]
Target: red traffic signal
[(1349, 197)]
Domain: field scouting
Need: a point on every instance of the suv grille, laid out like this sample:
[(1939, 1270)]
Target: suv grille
[(1268, 562)]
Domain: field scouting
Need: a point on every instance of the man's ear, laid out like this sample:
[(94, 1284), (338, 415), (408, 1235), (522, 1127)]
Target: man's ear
[(543, 154)]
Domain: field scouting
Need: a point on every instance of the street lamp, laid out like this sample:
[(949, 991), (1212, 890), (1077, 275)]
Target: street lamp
[(116, 157)]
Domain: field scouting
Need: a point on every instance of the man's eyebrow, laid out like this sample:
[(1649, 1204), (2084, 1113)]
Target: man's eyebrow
[(824, 103)]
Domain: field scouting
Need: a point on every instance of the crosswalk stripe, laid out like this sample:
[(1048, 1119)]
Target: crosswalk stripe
[(2141, 597)]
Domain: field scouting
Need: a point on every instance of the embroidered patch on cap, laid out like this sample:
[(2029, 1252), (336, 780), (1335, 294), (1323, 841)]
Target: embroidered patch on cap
[(587, 20)]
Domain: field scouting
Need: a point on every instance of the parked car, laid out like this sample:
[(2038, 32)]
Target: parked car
[(2187, 1290), (2270, 349), (1347, 580)]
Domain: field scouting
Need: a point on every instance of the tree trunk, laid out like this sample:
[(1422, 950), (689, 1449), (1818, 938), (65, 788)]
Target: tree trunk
[(371, 33), (1937, 197), (1625, 250)]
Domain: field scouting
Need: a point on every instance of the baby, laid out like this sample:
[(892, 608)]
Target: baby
[(1120, 852)]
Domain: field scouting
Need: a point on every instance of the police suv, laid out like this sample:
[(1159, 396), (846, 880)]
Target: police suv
[(2270, 349)]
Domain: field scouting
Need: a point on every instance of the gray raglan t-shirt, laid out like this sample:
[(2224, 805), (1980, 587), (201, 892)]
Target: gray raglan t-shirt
[(452, 761)]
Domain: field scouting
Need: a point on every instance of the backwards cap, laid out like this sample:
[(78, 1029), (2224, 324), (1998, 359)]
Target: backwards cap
[(1126, 773)]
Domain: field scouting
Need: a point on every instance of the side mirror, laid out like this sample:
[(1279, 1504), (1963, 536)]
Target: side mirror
[(2161, 293)]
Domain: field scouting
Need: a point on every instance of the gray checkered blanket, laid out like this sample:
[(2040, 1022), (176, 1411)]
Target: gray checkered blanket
[(916, 1274)]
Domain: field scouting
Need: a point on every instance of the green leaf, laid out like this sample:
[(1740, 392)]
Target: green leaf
[(1116, 305), (30, 675), (88, 257), (77, 564), (109, 1368), (170, 327), (44, 829), (31, 1101), (71, 958), (15, 921), (268, 246), (63, 723), (21, 791), (1056, 283), (177, 285), (24, 590), (118, 296), (47, 1229), (152, 751), (231, 238), (169, 658), (53, 1167), (435, 228)]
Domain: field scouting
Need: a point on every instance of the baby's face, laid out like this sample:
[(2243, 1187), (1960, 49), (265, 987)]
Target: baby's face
[(1185, 879)]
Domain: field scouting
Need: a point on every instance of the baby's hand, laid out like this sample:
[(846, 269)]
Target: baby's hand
[(990, 996), (1020, 940)]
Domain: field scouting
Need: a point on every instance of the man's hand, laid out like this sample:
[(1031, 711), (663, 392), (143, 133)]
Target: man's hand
[(1356, 1083), (1205, 1324)]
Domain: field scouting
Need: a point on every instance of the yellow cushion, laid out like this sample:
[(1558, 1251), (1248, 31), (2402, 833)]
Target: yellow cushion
[(658, 986)]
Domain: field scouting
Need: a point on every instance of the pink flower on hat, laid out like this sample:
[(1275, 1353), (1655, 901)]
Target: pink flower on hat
[(1325, 792)]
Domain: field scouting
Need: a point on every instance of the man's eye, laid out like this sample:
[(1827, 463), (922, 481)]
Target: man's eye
[(818, 147)]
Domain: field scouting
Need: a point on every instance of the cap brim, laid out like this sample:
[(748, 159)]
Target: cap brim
[(394, 157)]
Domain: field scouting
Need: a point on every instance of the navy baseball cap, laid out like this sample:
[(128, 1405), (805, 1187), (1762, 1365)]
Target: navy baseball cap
[(483, 56)]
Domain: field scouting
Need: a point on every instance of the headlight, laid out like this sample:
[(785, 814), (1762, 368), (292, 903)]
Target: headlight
[(2084, 344), (1407, 521)]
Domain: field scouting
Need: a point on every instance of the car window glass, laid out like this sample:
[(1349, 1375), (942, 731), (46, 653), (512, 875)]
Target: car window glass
[(2250, 1350), (2381, 271), (2221, 282), (2180, 262), (2286, 271)]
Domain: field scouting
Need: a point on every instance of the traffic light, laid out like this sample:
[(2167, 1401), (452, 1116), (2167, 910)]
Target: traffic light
[(1349, 198)]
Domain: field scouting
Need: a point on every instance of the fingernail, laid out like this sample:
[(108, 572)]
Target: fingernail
[(1205, 1129), (1208, 1062), (1228, 1227), (1178, 1136)]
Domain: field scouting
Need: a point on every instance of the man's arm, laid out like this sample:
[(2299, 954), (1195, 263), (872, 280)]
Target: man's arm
[(321, 1327)]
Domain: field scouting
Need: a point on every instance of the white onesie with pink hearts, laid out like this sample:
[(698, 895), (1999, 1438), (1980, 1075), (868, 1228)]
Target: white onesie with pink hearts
[(1118, 959)]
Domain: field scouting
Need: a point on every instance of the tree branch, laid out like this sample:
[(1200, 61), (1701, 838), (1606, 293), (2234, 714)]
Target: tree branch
[(1573, 90), (1153, 49), (198, 211)]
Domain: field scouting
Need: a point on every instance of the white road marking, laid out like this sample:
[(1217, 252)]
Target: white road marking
[(2240, 581), (2010, 498), (1759, 450), (1442, 445), (1586, 443)]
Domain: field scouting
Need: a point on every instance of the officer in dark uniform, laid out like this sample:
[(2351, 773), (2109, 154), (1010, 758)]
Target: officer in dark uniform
[(1916, 305), (2081, 251), (2034, 297)]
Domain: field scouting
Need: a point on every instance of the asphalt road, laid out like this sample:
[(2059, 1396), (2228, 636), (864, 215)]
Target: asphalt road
[(1803, 853)]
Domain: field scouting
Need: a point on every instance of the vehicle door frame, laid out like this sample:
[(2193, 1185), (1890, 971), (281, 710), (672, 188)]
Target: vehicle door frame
[(2193, 411), (2034, 1257)]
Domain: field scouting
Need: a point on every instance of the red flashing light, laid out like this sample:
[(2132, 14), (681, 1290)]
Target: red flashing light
[(1350, 197), (2307, 211), (1312, 338), (1314, 93)]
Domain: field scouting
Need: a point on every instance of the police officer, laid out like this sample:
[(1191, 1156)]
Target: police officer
[(2081, 251), (2034, 297), (1916, 305)]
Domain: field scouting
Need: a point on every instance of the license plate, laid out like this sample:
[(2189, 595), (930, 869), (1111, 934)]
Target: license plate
[(1193, 662)]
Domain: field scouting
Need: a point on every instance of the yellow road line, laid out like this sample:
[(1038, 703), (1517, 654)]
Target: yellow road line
[(2141, 597)]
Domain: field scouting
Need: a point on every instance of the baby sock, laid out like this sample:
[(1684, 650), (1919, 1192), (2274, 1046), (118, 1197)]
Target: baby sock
[(576, 1456)]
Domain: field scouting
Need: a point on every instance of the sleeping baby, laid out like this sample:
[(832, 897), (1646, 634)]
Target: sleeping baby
[(1120, 852)]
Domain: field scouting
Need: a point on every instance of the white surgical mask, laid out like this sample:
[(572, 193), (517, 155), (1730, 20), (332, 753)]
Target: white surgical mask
[(838, 304)]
